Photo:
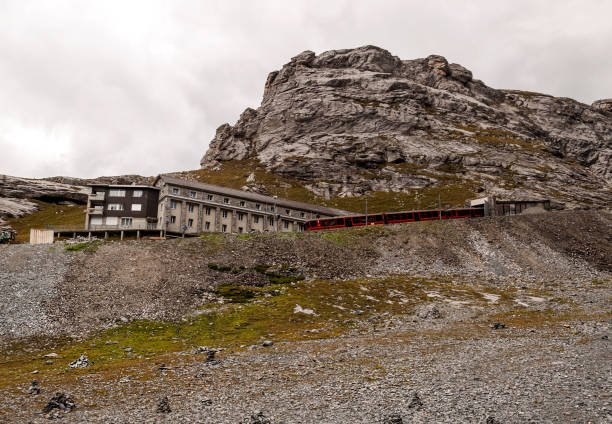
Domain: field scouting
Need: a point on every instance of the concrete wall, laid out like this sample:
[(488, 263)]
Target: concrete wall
[(41, 236)]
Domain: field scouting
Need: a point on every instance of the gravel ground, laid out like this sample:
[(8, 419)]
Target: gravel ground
[(29, 280), (461, 372)]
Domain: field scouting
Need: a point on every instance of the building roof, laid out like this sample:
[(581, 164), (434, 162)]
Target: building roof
[(251, 196), (123, 186)]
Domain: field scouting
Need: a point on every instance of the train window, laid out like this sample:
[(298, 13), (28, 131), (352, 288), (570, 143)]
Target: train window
[(410, 215), (404, 216)]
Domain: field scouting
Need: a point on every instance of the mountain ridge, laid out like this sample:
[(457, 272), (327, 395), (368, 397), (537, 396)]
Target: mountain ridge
[(354, 122)]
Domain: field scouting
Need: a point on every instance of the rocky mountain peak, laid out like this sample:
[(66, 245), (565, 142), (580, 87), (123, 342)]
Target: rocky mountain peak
[(356, 121)]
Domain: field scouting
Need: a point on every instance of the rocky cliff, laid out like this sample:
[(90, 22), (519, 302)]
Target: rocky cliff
[(361, 121)]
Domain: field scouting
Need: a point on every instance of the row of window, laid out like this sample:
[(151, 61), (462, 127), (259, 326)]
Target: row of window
[(110, 221), (224, 226), (226, 201), (121, 193), (137, 207)]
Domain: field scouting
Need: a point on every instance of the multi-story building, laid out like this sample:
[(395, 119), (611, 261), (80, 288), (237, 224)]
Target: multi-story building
[(116, 207), (193, 207)]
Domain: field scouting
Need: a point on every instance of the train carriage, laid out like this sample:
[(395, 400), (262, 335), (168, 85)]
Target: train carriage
[(392, 218)]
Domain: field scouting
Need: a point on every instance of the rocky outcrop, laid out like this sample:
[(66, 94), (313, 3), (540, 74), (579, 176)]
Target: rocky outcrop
[(25, 188), (349, 122), (119, 179), (16, 193)]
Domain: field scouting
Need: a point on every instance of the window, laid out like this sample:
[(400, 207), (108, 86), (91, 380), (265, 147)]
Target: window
[(192, 194), (207, 211), (175, 191), (190, 222), (272, 208), (271, 221), (242, 203), (137, 193), (207, 225), (99, 207), (116, 193), (224, 228), (287, 212), (172, 204), (257, 206), (256, 219), (224, 213), (240, 216), (209, 197), (240, 229), (126, 222), (286, 225), (191, 207), (226, 200), (112, 220), (173, 219), (136, 207), (96, 221), (115, 207), (302, 214)]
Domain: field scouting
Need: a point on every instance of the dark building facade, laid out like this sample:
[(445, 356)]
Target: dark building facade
[(111, 207)]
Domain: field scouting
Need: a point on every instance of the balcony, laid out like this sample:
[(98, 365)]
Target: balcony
[(95, 211), (97, 196)]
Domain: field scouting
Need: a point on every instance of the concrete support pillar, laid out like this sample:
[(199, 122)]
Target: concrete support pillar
[(248, 222), (105, 234), (89, 234), (183, 219), (200, 218), (234, 222), (265, 223), (121, 234), (137, 234), (218, 220), (161, 233), (73, 235), (296, 228)]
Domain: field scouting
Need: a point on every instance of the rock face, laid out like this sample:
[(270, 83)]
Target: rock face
[(24, 188), (15, 193), (349, 122)]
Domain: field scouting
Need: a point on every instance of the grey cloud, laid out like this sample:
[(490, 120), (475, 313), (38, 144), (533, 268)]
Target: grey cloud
[(107, 88)]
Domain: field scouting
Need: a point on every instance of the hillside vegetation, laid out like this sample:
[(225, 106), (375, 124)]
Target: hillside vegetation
[(49, 214)]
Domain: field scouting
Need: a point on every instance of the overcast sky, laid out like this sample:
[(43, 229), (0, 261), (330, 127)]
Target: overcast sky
[(90, 88)]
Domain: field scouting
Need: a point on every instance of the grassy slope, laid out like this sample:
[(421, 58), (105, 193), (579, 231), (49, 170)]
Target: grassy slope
[(49, 214), (452, 190), (269, 315)]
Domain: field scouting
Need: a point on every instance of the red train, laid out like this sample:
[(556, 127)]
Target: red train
[(392, 218)]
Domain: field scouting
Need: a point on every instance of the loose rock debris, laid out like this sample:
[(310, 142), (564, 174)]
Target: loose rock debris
[(34, 388), (393, 419), (81, 362), (416, 403), (498, 325), (60, 403), (164, 406), (258, 418)]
